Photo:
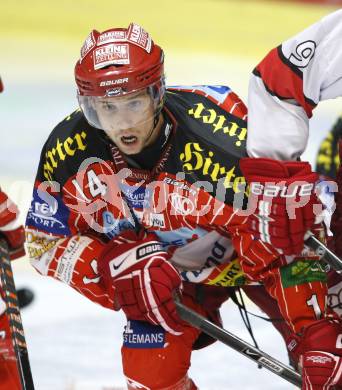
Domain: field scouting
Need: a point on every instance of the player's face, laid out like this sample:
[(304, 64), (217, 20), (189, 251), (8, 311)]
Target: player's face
[(127, 120)]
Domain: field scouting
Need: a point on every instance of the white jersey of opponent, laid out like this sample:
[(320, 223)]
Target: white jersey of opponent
[(286, 86)]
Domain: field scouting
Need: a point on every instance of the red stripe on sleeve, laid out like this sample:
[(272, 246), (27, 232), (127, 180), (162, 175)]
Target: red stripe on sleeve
[(282, 81)]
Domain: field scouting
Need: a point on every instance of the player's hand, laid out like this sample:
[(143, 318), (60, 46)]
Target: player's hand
[(10, 229), (319, 351), (144, 281), (282, 200)]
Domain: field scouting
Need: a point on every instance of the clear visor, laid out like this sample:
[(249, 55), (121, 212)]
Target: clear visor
[(118, 113)]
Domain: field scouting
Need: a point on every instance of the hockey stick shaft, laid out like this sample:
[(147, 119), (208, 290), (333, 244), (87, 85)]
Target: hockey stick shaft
[(238, 344), (326, 254), (13, 312)]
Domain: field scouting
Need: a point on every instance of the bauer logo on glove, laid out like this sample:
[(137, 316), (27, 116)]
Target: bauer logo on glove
[(144, 280), (282, 203), (282, 191), (148, 250)]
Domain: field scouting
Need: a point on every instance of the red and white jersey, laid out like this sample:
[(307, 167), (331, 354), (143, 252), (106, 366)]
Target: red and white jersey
[(288, 84), (86, 193), (185, 199)]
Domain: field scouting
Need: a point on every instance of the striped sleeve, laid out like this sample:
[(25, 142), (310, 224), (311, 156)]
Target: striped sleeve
[(287, 85)]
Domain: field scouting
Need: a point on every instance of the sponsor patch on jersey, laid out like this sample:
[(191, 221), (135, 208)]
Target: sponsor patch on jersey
[(220, 124), (37, 245), (181, 185), (179, 237), (302, 271), (139, 334), (116, 54), (113, 226), (137, 197), (48, 213), (150, 219), (227, 275), (181, 205), (61, 151), (69, 258), (205, 163), (156, 220)]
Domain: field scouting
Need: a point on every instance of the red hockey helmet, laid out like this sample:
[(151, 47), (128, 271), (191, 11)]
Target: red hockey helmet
[(115, 63)]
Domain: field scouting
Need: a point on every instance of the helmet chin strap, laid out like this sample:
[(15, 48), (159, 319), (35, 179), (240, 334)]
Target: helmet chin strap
[(154, 126), (156, 117)]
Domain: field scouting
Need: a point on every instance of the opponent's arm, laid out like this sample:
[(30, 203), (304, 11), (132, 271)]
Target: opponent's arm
[(288, 84), (328, 160), (284, 89)]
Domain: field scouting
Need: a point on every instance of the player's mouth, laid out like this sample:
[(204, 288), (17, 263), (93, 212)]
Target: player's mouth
[(129, 139)]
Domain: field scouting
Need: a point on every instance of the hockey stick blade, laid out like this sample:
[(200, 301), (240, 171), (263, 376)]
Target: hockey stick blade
[(13, 312), (326, 254), (238, 344)]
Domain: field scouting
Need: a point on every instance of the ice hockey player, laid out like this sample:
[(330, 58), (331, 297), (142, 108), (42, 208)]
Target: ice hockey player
[(327, 165), (13, 233), (327, 160), (133, 205), (284, 89)]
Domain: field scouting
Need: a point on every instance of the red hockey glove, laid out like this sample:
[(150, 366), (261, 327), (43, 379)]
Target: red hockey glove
[(10, 228), (319, 350), (143, 279), (282, 198)]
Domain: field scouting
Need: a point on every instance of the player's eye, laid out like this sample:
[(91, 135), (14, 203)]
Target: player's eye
[(109, 107), (135, 104)]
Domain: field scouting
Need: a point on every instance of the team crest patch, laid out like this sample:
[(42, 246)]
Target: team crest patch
[(139, 334)]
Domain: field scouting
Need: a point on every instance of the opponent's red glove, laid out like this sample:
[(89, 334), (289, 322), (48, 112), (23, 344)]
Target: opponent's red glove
[(10, 229), (143, 279), (319, 350), (282, 197)]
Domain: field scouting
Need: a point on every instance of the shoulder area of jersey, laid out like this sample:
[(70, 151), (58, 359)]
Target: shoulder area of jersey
[(73, 125), (71, 142), (72, 120), (221, 95)]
